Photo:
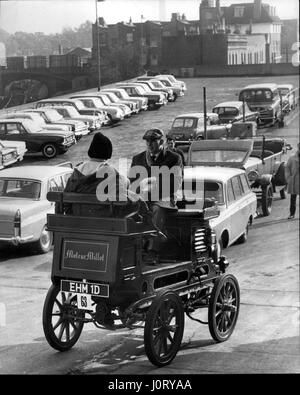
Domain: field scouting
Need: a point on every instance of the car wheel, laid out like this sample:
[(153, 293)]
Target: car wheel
[(49, 150), (244, 237), (266, 200), (43, 244)]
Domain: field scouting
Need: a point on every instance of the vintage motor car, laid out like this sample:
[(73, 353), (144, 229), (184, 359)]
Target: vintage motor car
[(234, 111), (141, 102), (190, 126), (288, 97), (173, 80), (100, 270), (23, 204), (265, 99), (78, 105), (230, 190), (52, 117), (264, 167), (155, 100), (69, 112), (114, 114), (8, 156), (38, 119), (49, 143)]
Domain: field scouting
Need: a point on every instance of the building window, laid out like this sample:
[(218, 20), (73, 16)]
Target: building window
[(238, 11), (129, 37)]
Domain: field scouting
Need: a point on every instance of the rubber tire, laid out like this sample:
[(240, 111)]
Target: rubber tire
[(54, 150), (39, 246), (47, 323), (215, 333), (150, 322), (266, 192)]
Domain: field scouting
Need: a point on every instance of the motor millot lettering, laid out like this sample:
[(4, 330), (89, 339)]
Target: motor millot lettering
[(84, 288), (87, 256)]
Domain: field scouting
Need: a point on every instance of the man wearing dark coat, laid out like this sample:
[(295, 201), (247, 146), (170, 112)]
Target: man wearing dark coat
[(158, 172)]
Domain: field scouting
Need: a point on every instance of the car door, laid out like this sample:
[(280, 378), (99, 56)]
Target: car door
[(235, 205)]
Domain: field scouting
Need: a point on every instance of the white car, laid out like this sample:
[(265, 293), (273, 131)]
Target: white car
[(20, 147), (214, 175), (24, 205)]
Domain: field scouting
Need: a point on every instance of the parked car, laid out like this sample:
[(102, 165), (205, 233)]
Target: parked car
[(20, 146), (141, 102), (8, 156), (234, 111), (107, 101), (190, 126), (52, 117), (230, 190), (265, 99), (158, 86), (147, 88), (38, 119), (24, 206), (173, 80), (116, 100), (78, 105), (49, 143), (114, 114), (288, 96), (176, 88), (69, 112), (155, 100)]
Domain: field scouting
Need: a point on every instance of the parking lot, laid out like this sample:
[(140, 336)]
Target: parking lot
[(266, 339)]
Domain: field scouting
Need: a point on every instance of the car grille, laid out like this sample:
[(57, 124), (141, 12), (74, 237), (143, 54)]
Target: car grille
[(199, 241)]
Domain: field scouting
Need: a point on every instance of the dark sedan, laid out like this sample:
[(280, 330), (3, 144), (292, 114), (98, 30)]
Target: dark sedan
[(234, 111)]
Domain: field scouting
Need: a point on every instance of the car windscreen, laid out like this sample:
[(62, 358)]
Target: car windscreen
[(213, 191), (19, 188), (166, 82), (122, 94), (185, 123), (53, 116), (256, 95), (72, 112), (79, 104), (226, 111), (105, 100), (211, 156), (157, 84)]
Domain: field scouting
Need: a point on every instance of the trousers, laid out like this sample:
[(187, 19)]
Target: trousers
[(293, 204)]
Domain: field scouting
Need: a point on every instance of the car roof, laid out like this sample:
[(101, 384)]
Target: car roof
[(34, 172), (261, 86), (213, 173), (285, 86), (55, 100), (12, 120), (229, 104)]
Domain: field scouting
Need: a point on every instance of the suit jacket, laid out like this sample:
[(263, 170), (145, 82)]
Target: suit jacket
[(167, 170)]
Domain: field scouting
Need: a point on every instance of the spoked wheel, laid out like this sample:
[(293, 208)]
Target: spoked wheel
[(164, 327), (266, 200), (223, 307), (62, 321)]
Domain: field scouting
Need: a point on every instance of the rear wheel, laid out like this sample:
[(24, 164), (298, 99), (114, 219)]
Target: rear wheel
[(164, 328), (62, 321), (223, 307), (43, 244), (244, 237)]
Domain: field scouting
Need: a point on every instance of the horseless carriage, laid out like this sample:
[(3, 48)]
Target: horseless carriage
[(101, 274)]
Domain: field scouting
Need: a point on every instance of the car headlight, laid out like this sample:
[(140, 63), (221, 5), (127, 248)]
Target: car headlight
[(253, 175)]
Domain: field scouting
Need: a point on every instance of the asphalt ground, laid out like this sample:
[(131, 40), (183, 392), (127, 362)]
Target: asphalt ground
[(266, 338)]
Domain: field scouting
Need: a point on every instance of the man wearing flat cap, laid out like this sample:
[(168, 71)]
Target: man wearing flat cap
[(159, 173)]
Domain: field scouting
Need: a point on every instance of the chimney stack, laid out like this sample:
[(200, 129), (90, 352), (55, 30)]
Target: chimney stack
[(257, 9)]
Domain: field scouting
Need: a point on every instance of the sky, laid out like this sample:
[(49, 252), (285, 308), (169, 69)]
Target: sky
[(51, 16)]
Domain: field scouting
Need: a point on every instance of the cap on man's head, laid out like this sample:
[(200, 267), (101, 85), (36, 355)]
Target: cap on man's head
[(153, 134)]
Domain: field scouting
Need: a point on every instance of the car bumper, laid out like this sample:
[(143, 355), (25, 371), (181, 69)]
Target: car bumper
[(17, 240)]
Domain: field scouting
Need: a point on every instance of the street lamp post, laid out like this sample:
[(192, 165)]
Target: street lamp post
[(98, 46)]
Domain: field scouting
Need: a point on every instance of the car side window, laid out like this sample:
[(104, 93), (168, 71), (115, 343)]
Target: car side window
[(14, 128), (2, 129), (56, 184), (245, 183), (237, 188), (230, 193)]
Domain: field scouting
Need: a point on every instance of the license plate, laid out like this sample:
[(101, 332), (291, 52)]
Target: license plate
[(85, 288)]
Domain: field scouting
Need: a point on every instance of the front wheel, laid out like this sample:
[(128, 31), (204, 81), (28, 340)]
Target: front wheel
[(62, 320), (164, 328), (266, 200), (223, 309), (49, 150)]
